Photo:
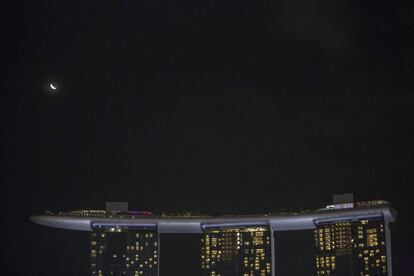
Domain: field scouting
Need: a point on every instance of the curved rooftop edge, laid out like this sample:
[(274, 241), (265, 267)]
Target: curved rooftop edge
[(280, 222)]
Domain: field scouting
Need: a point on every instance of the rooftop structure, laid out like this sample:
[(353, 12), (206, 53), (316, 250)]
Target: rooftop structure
[(89, 220)]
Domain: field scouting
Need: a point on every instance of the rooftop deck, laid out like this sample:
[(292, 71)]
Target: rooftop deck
[(89, 220)]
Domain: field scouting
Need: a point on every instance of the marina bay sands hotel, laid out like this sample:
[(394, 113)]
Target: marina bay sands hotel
[(343, 239)]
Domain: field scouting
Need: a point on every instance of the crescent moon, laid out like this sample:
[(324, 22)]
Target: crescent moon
[(53, 87)]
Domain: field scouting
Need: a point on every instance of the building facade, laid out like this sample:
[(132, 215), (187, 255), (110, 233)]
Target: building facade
[(126, 252), (351, 247), (236, 251)]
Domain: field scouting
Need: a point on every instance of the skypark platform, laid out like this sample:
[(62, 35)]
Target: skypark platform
[(90, 220)]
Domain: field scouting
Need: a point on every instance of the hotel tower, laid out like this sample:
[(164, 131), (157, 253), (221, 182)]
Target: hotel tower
[(343, 239)]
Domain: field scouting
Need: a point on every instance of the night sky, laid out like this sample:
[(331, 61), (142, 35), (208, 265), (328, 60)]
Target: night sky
[(207, 106)]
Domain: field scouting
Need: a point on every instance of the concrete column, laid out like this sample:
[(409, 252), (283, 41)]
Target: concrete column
[(388, 247), (159, 252), (273, 251)]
